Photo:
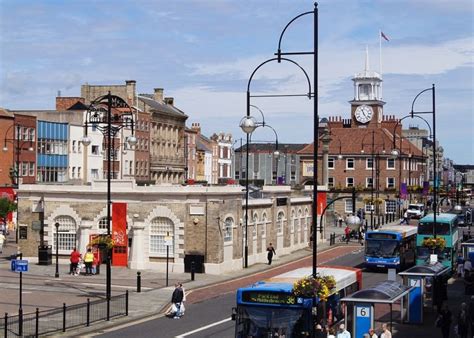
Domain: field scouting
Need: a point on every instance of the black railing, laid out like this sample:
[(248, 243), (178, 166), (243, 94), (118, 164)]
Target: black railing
[(38, 323)]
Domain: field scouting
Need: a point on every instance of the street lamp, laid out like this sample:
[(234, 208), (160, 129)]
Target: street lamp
[(109, 114), (18, 148), (56, 225), (248, 124)]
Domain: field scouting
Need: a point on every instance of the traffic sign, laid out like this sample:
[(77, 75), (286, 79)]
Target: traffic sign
[(168, 240), (21, 265)]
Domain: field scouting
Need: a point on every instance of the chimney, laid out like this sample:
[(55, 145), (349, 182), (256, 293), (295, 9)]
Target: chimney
[(169, 100), (131, 86), (158, 95), (197, 127)]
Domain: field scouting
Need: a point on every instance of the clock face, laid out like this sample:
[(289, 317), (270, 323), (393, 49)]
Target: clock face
[(363, 114)]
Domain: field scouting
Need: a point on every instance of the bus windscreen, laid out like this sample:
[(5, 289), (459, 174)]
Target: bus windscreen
[(382, 248)]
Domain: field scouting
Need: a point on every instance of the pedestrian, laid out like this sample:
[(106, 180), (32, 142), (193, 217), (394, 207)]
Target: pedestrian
[(467, 265), (331, 333), (347, 232), (319, 333), (75, 257), (460, 262), (385, 331), (405, 219), (360, 234), (444, 321), (270, 253), (340, 220), (88, 260), (471, 314), (343, 333), (182, 307), (176, 300), (2, 240), (372, 333), (462, 326), (468, 282)]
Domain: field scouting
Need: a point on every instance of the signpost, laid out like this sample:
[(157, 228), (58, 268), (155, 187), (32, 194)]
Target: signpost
[(20, 265), (364, 318), (168, 243)]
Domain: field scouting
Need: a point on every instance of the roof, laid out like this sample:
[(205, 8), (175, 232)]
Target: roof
[(428, 270), (383, 292), (6, 113), (442, 217), (405, 230), (162, 107), (350, 141), (203, 146)]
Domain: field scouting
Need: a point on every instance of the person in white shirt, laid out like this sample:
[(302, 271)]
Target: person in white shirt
[(343, 333), (385, 332), (2, 240), (372, 333)]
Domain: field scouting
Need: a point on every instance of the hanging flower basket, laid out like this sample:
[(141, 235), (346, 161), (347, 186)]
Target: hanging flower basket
[(310, 287), (102, 242), (434, 243)]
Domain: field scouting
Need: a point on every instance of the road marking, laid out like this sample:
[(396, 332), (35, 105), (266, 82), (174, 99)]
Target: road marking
[(203, 328)]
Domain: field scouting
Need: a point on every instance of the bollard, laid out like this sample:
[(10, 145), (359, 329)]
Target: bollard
[(383, 220), (139, 281), (126, 302), (192, 270), (37, 323), (5, 327)]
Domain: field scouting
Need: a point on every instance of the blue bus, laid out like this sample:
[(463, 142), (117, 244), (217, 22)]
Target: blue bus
[(391, 247), (269, 308), (446, 228)]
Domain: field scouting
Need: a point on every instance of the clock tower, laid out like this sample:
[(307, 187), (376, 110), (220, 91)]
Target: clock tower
[(367, 105)]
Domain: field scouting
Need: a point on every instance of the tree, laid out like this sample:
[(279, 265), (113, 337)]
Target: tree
[(6, 206)]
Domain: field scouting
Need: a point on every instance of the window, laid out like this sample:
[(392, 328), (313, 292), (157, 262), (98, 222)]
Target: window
[(31, 169), (66, 235), (308, 219), (73, 146), (228, 226), (73, 172), (390, 182), (390, 206), (348, 205), (264, 225), (24, 168), (31, 134), (79, 145), (95, 173), (280, 218), (254, 230), (350, 163), (330, 182), (331, 163), (25, 132), (161, 227), (369, 182), (349, 182), (293, 217), (369, 163), (369, 207), (103, 223), (390, 163), (95, 150), (78, 172)]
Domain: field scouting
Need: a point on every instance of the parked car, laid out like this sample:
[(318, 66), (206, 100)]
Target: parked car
[(416, 211)]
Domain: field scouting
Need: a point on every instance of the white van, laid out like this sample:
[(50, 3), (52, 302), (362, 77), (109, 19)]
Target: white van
[(416, 211)]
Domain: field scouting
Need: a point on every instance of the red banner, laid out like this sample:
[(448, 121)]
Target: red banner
[(322, 201), (119, 234)]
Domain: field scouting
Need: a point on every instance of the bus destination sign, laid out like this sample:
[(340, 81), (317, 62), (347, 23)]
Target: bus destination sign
[(268, 297)]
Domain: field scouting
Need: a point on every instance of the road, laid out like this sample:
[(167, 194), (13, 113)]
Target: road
[(209, 316)]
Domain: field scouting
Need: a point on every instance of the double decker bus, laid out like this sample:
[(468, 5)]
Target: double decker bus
[(391, 247), (269, 308), (446, 227)]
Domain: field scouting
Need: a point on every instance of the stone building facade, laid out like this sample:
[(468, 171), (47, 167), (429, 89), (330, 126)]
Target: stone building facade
[(203, 221)]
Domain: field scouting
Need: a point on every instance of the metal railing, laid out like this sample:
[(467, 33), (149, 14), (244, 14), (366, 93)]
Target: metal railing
[(66, 317)]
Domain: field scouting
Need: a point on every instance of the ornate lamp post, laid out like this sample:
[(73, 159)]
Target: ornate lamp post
[(56, 225), (109, 114), (16, 172)]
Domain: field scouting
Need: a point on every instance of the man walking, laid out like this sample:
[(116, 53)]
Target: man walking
[(177, 299), (2, 240), (271, 252)]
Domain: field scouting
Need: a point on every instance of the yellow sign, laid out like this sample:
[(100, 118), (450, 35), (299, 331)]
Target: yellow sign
[(308, 169)]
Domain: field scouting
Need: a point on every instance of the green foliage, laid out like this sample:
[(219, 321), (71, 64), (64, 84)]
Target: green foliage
[(6, 206)]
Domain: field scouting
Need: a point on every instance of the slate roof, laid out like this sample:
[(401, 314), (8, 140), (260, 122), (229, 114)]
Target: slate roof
[(161, 107)]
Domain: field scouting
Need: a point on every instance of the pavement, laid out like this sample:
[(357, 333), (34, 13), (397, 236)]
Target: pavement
[(154, 299)]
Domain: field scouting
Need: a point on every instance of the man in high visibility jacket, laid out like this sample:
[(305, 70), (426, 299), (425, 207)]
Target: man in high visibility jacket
[(88, 259)]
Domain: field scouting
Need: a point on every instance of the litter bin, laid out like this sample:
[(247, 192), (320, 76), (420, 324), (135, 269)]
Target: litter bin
[(198, 263), (45, 255)]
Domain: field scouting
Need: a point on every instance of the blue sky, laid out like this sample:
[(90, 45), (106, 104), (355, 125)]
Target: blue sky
[(203, 52)]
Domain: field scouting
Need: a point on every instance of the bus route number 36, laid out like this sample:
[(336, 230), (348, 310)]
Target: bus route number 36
[(363, 311)]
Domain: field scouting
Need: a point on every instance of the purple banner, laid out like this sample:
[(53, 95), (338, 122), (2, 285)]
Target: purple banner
[(403, 191), (426, 188)]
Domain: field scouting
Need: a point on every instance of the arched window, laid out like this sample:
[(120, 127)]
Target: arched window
[(255, 221), (297, 220), (264, 224), (293, 218), (66, 234), (228, 226), (280, 217), (161, 227), (308, 219), (103, 223)]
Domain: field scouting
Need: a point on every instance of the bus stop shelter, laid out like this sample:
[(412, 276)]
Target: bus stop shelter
[(360, 310), (429, 285)]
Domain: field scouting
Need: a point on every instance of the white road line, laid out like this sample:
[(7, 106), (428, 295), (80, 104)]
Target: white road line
[(203, 328)]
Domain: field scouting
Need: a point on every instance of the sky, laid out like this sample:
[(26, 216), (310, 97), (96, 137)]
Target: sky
[(203, 53)]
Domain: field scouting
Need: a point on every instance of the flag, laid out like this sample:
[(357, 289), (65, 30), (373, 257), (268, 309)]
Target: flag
[(384, 36)]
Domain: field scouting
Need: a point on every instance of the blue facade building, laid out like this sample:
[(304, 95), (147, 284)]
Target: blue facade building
[(52, 161)]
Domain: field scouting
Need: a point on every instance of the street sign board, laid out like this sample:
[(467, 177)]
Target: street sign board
[(21, 265), (13, 264)]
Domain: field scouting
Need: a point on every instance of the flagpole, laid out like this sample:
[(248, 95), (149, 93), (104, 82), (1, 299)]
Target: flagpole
[(380, 63)]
